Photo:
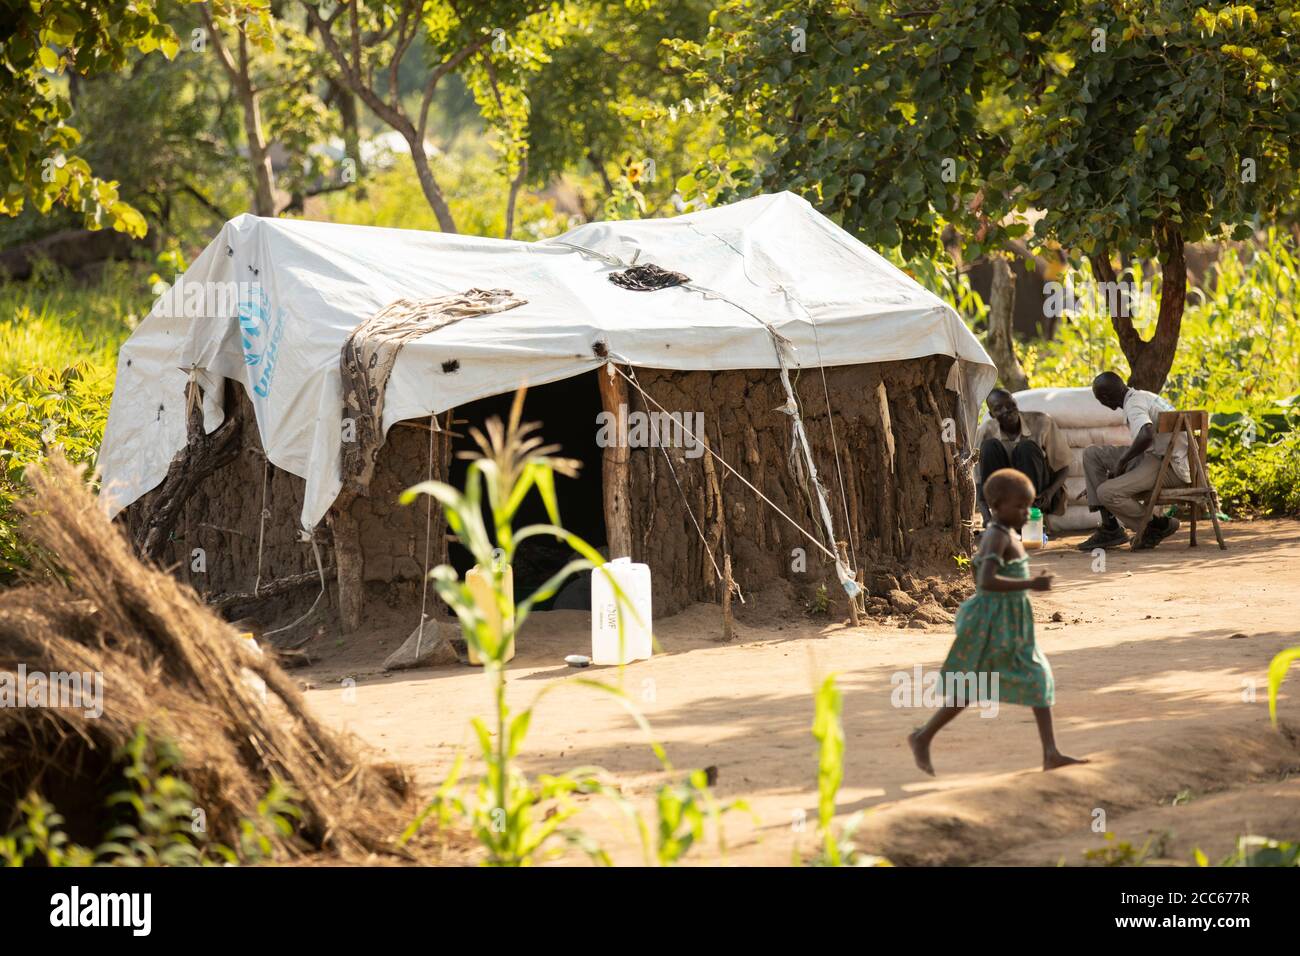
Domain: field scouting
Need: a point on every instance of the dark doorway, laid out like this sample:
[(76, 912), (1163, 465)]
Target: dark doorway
[(567, 411)]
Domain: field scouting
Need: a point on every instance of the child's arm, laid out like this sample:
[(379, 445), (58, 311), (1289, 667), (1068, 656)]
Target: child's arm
[(995, 543)]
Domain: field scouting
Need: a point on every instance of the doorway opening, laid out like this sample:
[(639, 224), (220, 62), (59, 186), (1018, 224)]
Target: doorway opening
[(567, 411)]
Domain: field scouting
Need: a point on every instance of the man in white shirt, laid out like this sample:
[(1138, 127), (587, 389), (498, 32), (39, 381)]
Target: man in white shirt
[(1119, 479)]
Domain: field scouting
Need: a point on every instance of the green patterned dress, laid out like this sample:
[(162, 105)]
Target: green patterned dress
[(995, 634)]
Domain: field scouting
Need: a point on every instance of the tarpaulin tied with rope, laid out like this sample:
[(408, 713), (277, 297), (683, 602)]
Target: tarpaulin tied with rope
[(367, 361)]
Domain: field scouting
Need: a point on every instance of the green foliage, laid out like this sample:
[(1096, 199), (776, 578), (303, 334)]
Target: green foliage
[(608, 98), (1121, 121), (1277, 669), (44, 42), (1250, 851), (821, 601), (392, 198), (1258, 851), (160, 806), (58, 343), (1122, 853), (158, 823), (40, 836)]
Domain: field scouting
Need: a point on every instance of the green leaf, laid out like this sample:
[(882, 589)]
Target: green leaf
[(1277, 669)]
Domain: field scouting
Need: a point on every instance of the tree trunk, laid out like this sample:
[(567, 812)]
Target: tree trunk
[(1150, 360), (346, 102), (350, 561), (514, 196), (258, 158), (430, 185), (1000, 341)]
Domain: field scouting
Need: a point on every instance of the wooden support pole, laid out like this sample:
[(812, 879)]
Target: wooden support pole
[(615, 466), (202, 455), (350, 561), (728, 623), (890, 535), (853, 602)]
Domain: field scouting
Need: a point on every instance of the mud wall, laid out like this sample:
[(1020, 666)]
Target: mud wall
[(223, 519), (908, 499)]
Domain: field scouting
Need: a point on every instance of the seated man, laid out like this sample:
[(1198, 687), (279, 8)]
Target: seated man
[(1029, 442), (1119, 479)]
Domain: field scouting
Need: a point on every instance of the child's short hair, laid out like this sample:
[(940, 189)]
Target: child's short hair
[(1006, 482)]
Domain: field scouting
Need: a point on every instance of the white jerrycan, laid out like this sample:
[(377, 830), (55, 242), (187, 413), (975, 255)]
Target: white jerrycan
[(479, 582), (634, 580)]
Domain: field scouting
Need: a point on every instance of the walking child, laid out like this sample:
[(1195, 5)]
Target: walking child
[(995, 627)]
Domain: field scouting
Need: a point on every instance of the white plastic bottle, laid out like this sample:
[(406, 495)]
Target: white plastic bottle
[(1032, 533)]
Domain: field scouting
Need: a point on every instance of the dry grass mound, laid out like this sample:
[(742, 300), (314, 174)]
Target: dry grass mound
[(171, 665)]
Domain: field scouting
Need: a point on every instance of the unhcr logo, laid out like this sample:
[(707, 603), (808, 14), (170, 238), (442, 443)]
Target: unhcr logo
[(253, 330), (260, 338), (259, 331)]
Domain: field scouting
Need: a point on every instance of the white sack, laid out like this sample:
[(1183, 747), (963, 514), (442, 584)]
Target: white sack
[(1070, 407)]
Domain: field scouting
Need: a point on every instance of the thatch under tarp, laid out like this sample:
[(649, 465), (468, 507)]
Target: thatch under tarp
[(171, 665)]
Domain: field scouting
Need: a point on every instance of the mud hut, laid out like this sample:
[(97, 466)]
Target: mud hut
[(747, 385)]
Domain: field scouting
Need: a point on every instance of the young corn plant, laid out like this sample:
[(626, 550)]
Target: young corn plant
[(837, 849), (519, 821), (156, 827), (1277, 669)]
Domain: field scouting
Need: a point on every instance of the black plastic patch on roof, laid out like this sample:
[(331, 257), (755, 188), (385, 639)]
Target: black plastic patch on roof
[(451, 365), (647, 278)]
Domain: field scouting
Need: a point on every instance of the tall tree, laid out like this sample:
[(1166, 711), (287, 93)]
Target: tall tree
[(368, 40), (606, 96), (252, 29), (1132, 127)]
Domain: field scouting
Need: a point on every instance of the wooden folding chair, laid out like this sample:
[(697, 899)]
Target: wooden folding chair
[(1195, 424)]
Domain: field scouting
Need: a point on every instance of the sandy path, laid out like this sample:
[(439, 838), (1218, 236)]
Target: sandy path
[(1150, 684)]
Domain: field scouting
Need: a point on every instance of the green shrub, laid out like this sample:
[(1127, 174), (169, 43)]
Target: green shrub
[(58, 356)]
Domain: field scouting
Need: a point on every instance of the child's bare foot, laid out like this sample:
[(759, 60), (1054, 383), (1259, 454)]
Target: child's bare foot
[(1057, 759), (920, 751)]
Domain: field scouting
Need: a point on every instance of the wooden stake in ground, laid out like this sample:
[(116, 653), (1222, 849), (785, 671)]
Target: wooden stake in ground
[(853, 601), (728, 624)]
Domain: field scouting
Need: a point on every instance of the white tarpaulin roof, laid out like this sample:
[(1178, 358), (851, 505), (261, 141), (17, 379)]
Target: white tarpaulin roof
[(302, 287)]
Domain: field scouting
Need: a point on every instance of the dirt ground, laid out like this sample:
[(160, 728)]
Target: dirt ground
[(1160, 661)]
